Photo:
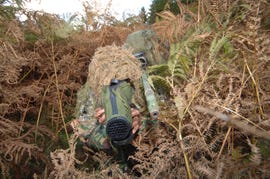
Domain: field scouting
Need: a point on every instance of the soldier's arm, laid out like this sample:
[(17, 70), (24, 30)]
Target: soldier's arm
[(135, 113)]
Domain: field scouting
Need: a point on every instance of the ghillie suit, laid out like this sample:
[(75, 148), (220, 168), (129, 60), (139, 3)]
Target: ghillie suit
[(114, 62), (108, 63)]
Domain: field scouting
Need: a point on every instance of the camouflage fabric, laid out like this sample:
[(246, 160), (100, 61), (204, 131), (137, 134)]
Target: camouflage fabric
[(108, 62), (114, 62), (146, 41), (98, 138), (90, 131)]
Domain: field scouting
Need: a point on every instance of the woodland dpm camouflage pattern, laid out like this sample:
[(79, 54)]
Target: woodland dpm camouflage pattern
[(120, 63)]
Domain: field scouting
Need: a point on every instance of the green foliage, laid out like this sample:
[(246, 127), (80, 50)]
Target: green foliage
[(7, 12), (182, 54), (161, 5), (64, 30), (156, 6), (264, 146), (216, 46), (8, 8), (161, 70), (143, 15), (158, 74), (181, 58), (52, 28), (179, 62), (30, 36)]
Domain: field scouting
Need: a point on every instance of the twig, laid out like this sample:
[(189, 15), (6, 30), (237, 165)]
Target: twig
[(246, 119), (223, 143), (58, 93), (23, 117), (200, 86), (40, 110), (184, 153), (240, 124), (256, 88), (25, 75)]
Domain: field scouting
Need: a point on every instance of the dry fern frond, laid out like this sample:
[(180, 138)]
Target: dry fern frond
[(12, 63), (184, 9), (4, 168), (204, 169), (3, 108), (215, 144), (220, 170), (255, 153), (265, 124), (177, 23), (13, 31), (20, 148), (16, 150), (157, 157), (64, 162), (217, 8)]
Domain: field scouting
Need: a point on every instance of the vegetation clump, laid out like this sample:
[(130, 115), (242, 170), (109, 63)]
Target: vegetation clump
[(213, 92)]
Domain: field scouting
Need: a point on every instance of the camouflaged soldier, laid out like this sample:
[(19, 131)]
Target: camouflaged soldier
[(113, 62)]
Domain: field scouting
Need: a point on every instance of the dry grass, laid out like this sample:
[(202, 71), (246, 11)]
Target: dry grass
[(39, 80), (213, 124), (100, 73)]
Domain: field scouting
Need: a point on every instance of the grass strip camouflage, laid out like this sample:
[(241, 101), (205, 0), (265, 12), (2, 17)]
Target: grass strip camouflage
[(108, 63), (116, 80), (113, 62)]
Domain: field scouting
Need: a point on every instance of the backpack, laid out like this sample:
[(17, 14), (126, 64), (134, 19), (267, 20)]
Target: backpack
[(146, 41)]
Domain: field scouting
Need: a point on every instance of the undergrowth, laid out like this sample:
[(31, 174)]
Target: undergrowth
[(213, 93)]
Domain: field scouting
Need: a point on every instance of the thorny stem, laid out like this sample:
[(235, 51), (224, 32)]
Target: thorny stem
[(180, 138), (231, 129)]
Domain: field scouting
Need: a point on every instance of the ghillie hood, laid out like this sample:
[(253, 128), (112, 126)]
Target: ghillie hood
[(111, 62)]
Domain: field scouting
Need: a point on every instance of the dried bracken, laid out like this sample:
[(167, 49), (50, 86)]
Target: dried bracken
[(39, 78), (214, 119)]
